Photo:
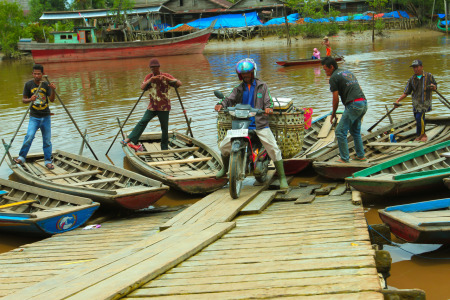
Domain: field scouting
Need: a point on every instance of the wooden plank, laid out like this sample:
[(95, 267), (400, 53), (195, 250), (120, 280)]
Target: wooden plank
[(341, 189), (90, 182), (326, 127), (17, 203), (176, 150), (386, 144), (258, 204), (305, 200), (73, 174), (180, 161)]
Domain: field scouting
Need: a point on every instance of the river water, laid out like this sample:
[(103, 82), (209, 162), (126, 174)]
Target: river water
[(97, 93)]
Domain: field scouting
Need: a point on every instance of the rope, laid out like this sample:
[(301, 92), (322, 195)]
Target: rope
[(394, 244)]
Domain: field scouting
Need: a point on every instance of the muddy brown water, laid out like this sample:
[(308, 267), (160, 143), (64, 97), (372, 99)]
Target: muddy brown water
[(98, 92)]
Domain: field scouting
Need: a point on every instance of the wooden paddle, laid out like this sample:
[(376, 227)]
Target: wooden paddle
[(388, 113), (18, 127), (443, 100), (182, 107)]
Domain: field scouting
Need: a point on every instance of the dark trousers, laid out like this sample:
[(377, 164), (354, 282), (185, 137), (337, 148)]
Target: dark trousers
[(163, 117), (420, 122)]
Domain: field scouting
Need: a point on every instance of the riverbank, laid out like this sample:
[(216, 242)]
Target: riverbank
[(364, 37)]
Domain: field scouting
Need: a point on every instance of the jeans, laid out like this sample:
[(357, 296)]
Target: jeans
[(44, 125), (163, 117), (420, 122), (351, 120)]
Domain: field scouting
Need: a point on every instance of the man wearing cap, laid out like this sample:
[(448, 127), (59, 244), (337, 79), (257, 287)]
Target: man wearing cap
[(326, 42), (420, 86), (157, 83), (344, 84)]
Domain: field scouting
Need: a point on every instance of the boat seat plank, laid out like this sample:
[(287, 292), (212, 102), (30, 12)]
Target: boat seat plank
[(90, 182), (187, 149), (74, 174), (431, 134), (17, 203), (431, 214), (445, 154), (405, 134), (387, 144), (421, 166), (325, 130), (180, 161)]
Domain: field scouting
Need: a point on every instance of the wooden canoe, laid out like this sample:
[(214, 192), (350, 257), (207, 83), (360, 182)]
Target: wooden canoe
[(81, 176), (318, 139), (303, 62), (31, 210), (189, 165), (378, 147), (420, 171), (422, 222)]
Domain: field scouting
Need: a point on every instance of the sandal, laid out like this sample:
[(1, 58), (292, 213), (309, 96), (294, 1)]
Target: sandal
[(18, 161), (359, 158), (340, 160), (123, 143), (50, 166)]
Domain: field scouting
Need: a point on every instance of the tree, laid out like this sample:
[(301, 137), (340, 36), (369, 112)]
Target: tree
[(420, 8), (11, 18), (89, 4), (37, 7), (377, 6)]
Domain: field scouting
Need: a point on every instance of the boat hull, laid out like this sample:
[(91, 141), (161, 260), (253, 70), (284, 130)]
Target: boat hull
[(302, 62), (294, 166), (52, 53), (338, 171), (200, 186)]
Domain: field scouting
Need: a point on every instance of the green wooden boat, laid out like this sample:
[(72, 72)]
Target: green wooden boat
[(416, 172)]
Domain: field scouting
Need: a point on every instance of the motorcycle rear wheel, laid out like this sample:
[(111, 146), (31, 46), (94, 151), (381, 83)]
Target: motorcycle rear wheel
[(237, 168)]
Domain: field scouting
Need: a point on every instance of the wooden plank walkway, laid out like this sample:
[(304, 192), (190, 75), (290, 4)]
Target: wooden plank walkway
[(319, 249)]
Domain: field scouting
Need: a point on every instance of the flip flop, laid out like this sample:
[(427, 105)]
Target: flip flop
[(18, 161), (359, 159), (123, 143), (50, 166), (341, 161)]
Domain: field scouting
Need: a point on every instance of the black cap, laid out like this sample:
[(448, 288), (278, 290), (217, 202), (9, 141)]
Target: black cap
[(416, 62)]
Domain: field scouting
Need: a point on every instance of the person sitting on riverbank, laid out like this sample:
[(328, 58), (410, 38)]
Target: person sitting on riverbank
[(344, 84), (420, 86), (158, 84), (326, 43), (39, 93), (254, 92), (316, 54)]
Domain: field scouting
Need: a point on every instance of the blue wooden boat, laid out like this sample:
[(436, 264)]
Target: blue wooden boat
[(423, 222), (31, 210), (415, 172)]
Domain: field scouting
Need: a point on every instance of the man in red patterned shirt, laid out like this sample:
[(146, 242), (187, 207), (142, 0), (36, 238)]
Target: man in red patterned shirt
[(157, 83)]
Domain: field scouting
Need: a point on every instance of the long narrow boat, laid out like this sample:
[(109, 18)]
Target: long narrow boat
[(318, 139), (31, 210), (379, 148), (422, 222), (193, 43), (81, 176), (416, 172), (303, 61), (188, 165)]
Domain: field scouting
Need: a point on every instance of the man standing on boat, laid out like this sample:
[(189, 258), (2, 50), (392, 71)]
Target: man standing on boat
[(38, 93), (254, 92), (157, 83), (345, 85), (326, 43), (420, 86)]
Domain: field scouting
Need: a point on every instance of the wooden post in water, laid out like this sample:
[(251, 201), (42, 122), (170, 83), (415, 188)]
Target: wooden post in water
[(288, 36), (446, 19)]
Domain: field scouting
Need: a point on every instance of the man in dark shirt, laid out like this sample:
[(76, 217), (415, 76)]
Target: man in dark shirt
[(421, 85), (39, 115), (345, 85)]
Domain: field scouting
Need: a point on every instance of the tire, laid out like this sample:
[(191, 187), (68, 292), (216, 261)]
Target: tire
[(237, 167), (262, 176)]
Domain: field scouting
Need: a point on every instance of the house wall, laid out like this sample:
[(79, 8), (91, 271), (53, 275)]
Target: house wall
[(255, 3), (186, 5), (351, 7)]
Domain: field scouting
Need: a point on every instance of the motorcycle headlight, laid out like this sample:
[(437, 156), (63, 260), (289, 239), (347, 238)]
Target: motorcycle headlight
[(242, 113), (232, 113)]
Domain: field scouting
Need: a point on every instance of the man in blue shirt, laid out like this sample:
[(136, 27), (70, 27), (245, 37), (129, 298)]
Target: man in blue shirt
[(254, 92)]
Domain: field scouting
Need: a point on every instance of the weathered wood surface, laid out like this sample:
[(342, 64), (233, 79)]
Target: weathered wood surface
[(320, 249)]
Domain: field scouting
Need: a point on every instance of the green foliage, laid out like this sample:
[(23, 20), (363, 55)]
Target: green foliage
[(90, 4), (38, 32), (422, 8), (37, 7), (11, 17), (332, 28), (119, 6), (379, 26)]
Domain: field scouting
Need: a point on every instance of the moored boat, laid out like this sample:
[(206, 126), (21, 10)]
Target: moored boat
[(303, 61), (425, 222), (193, 43), (188, 165), (78, 175), (416, 172), (379, 148), (32, 210)]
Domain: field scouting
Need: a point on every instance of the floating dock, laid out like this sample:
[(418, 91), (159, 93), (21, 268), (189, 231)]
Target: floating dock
[(311, 241)]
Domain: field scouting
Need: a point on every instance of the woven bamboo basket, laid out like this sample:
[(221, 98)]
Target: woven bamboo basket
[(288, 129)]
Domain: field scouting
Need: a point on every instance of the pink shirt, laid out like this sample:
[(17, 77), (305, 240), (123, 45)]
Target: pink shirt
[(159, 93)]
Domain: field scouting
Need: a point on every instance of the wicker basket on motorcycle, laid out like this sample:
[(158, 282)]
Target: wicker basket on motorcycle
[(288, 129)]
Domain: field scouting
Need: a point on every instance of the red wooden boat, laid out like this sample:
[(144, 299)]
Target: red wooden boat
[(303, 61), (193, 43)]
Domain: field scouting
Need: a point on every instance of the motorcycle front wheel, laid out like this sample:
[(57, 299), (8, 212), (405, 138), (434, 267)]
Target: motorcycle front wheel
[(237, 173)]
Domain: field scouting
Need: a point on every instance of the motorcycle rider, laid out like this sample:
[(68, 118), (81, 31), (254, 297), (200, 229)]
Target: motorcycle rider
[(254, 92)]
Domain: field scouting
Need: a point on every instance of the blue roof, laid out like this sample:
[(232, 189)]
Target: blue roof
[(97, 13)]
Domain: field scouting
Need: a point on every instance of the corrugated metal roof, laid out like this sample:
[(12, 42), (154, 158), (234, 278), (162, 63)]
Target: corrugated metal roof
[(94, 13)]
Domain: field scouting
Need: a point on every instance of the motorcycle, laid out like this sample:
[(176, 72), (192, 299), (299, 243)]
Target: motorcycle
[(247, 152)]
